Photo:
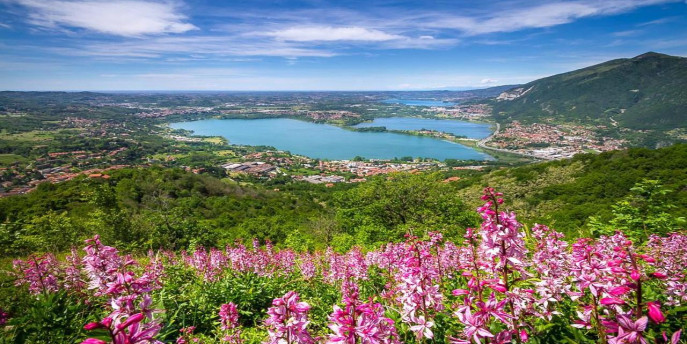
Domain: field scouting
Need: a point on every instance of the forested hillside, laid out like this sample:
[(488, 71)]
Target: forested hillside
[(566, 193), (172, 209), (645, 92)]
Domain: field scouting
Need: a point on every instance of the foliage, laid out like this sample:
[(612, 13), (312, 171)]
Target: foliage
[(643, 212), (500, 283), (568, 192), (644, 92), (383, 209)]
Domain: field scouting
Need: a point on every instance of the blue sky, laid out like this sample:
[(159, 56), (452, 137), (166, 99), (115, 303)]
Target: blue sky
[(320, 45)]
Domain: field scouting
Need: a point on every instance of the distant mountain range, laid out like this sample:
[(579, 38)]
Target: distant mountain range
[(645, 92)]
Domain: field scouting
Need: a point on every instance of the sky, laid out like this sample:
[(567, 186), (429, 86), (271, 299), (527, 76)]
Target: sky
[(321, 45)]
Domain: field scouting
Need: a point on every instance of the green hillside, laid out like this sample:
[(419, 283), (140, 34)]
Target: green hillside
[(566, 193), (645, 92), (172, 209)]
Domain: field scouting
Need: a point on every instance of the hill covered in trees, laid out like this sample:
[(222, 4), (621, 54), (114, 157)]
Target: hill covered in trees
[(648, 91), (168, 208)]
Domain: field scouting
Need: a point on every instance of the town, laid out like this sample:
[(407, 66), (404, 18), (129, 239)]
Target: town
[(94, 133)]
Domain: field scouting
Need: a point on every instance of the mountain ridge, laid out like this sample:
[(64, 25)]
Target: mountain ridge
[(648, 91)]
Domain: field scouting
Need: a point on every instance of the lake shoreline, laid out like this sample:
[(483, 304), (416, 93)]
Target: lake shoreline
[(326, 141)]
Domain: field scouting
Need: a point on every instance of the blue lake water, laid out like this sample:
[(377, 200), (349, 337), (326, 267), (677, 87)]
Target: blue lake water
[(460, 128), (418, 102), (325, 141)]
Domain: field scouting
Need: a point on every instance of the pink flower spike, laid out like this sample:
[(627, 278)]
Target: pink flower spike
[(524, 337), (655, 312)]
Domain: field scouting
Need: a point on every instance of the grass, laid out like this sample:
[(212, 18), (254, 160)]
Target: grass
[(9, 159), (226, 153), (34, 135), (218, 140)]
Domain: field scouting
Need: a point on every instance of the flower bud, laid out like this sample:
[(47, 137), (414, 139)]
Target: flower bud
[(130, 320), (635, 275), (607, 301), (93, 341), (621, 290), (655, 312), (659, 275), (92, 326)]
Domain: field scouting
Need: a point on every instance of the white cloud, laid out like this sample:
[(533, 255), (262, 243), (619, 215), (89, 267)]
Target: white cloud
[(121, 18), (325, 33), (488, 81), (5, 26), (658, 21), (537, 16), (627, 33), (217, 47), (321, 32)]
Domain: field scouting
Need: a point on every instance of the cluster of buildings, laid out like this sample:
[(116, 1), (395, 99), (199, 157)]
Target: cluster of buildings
[(53, 175), (56, 167), (364, 168), (164, 112), (465, 112), (181, 138), (331, 115), (328, 180), (548, 141), (254, 168)]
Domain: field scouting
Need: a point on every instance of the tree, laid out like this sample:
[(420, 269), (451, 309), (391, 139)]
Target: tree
[(645, 211)]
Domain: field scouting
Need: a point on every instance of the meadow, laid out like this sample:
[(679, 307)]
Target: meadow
[(502, 283)]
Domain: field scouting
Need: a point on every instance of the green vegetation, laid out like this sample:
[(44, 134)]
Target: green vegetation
[(168, 208), (645, 92), (567, 193)]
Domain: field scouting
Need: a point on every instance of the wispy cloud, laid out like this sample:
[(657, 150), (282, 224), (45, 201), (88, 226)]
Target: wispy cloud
[(659, 21), (327, 33), (627, 33), (121, 18), (144, 44), (536, 16), (225, 47)]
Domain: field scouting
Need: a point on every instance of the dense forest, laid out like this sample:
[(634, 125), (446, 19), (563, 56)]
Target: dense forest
[(644, 92), (144, 208)]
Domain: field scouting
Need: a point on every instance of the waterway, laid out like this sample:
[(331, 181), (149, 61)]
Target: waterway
[(325, 141), (470, 130)]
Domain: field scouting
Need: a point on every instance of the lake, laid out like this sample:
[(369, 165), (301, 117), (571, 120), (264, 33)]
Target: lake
[(418, 102), (459, 128), (325, 141)]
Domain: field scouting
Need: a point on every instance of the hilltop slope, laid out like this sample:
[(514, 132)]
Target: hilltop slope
[(645, 92)]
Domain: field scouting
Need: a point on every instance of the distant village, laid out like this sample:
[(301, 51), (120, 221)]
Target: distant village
[(271, 164), (549, 141), (539, 140)]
